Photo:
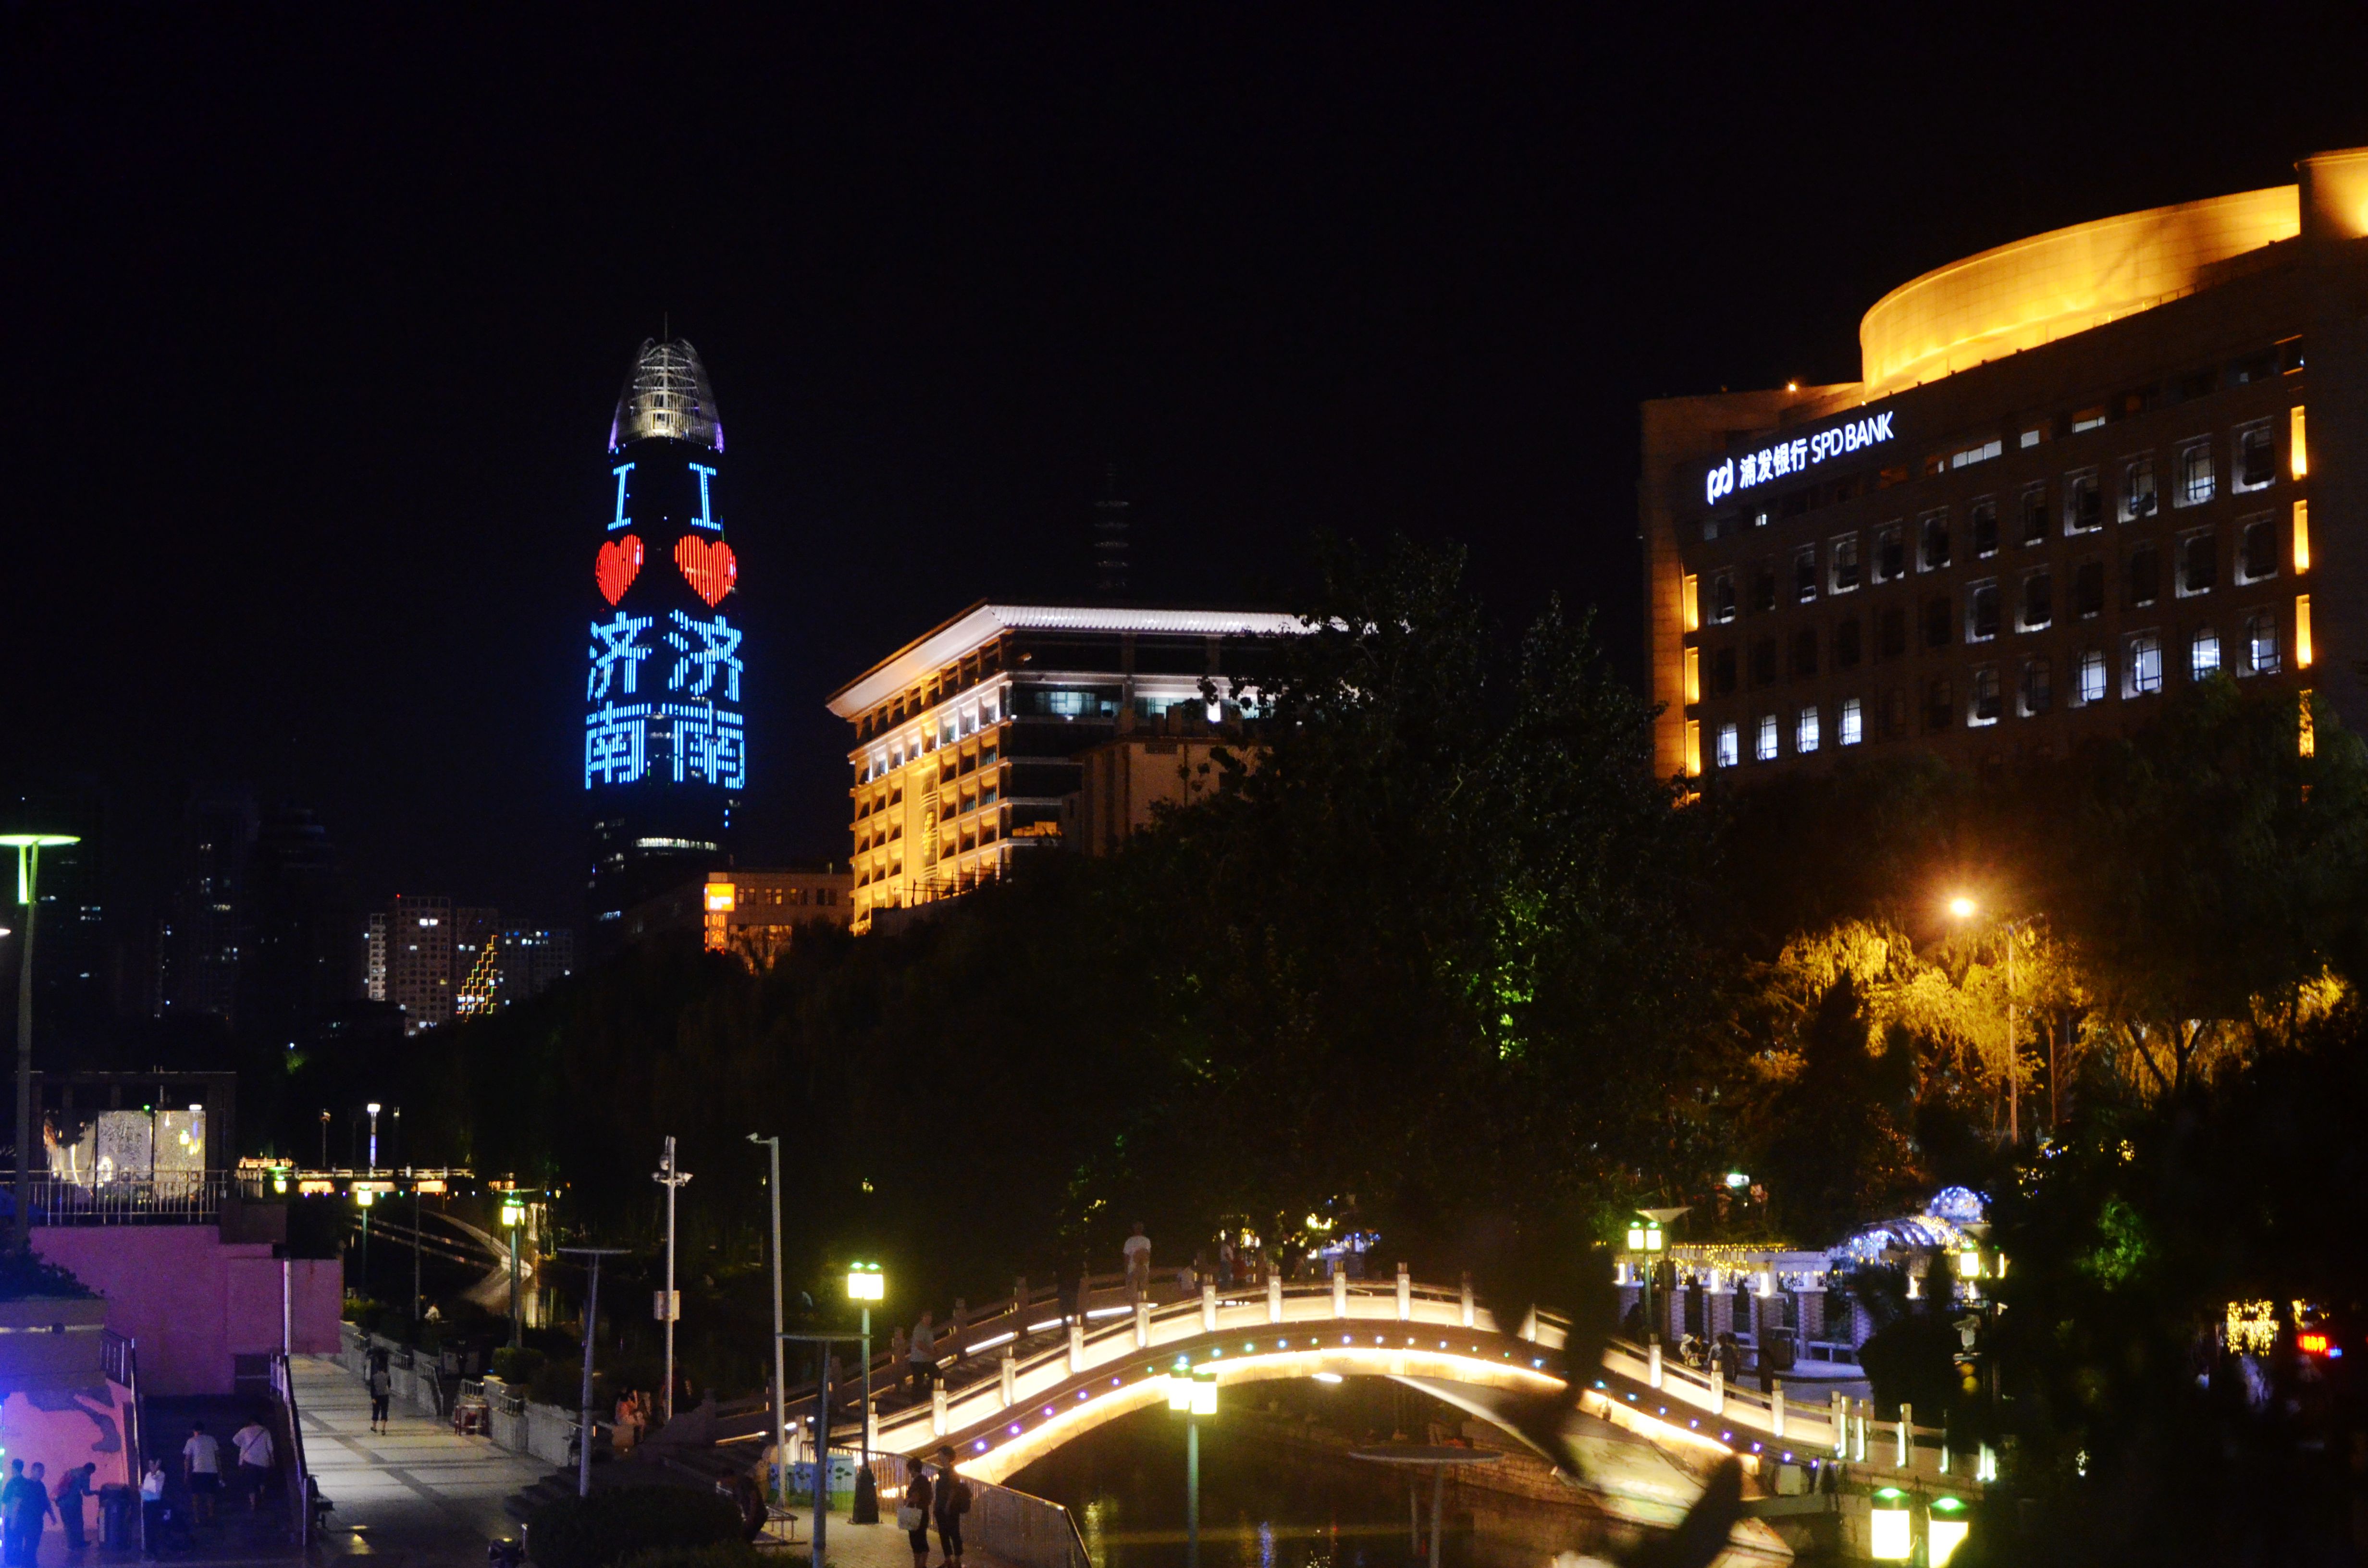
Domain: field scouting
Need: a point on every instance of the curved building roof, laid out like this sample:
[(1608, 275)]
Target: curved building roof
[(2035, 291), (667, 396)]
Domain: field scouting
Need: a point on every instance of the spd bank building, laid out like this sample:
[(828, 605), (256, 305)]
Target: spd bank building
[(2081, 470)]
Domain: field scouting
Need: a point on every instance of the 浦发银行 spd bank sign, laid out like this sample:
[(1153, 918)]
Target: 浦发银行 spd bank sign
[(1795, 456)]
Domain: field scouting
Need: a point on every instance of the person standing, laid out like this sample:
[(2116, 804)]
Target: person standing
[(32, 1511), (912, 1514), (151, 1507), (12, 1497), (256, 1457), (382, 1391), (72, 1489), (921, 1357), (1138, 1262), (953, 1500), (201, 1468)]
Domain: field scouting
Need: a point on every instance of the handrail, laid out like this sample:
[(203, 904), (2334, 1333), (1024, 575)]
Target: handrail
[(133, 1437), (283, 1384)]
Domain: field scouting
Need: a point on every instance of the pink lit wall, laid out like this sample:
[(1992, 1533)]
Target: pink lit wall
[(192, 1301), (60, 1428)]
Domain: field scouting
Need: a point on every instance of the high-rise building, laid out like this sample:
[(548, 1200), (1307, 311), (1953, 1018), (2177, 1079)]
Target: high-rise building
[(299, 966), (203, 931), (2074, 474), (411, 954), (756, 915), (967, 739), (530, 961), (664, 746)]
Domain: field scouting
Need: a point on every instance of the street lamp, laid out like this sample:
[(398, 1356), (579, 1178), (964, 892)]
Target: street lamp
[(1191, 1394), (363, 1197), (29, 847), (586, 1428), (669, 1304), (513, 1216), (865, 1285), (1964, 908), (1649, 1239), (372, 1108), (780, 1415), (1890, 1536), (1945, 1528)]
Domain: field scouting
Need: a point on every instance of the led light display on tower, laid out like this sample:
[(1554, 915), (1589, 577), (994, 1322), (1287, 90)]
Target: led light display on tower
[(664, 725)]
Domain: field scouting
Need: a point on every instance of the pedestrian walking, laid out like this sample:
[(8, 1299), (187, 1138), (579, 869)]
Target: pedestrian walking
[(29, 1513), (12, 1498), (201, 1463), (952, 1501), (921, 1357), (382, 1392), (255, 1458), (73, 1487), (1730, 1357), (1138, 1263), (913, 1513)]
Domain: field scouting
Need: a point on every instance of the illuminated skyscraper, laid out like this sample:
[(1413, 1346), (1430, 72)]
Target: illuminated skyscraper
[(664, 747)]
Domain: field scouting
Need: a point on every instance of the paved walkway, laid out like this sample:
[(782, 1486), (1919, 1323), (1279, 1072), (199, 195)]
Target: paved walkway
[(418, 1494)]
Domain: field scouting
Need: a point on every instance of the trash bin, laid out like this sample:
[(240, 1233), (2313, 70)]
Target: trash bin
[(1784, 1348), (118, 1525)]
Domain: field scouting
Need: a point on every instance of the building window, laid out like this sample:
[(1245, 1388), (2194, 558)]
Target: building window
[(1985, 529), (2301, 537), (1985, 704), (1891, 633), (2084, 504), (1804, 730), (1890, 554), (2257, 550), (1982, 612), (1968, 457), (2038, 601), (2199, 564), (2297, 458), (2092, 677), (1804, 652), (1722, 672), (1763, 585), (2195, 474), (1853, 725), (2257, 457), (1845, 564), (1763, 660), (2089, 419), (2142, 659), (1933, 542), (1936, 621), (1722, 597), (2203, 654), (2142, 575), (1730, 751), (1940, 704), (2038, 689), (1765, 752), (1805, 574), (2261, 643), (1895, 714), (2089, 589), (2034, 515), (1846, 645), (2137, 489)]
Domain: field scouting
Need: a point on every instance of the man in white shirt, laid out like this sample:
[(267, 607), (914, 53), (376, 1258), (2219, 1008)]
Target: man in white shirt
[(252, 1442), (1138, 1262), (201, 1467)]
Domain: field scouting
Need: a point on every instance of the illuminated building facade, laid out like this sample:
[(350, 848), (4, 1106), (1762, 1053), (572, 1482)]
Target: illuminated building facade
[(967, 740), (530, 961), (665, 727), (755, 914), (410, 959), (2081, 470)]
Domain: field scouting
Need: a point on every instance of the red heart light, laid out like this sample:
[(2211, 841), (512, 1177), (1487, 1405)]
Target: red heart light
[(708, 568), (619, 563)]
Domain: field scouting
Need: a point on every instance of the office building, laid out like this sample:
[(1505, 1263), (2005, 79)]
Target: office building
[(299, 966), (531, 960), (967, 739), (755, 914), (2079, 472), (411, 959), (203, 931), (1124, 783), (664, 746)]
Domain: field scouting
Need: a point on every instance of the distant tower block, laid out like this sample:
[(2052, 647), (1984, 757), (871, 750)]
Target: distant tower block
[(1111, 525)]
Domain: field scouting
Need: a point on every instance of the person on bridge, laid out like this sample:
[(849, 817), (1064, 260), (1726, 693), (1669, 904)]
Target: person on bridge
[(951, 1502), (1138, 1263), (913, 1514), (921, 1359)]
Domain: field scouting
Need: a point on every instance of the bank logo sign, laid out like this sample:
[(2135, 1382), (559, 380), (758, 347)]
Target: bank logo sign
[(1795, 456)]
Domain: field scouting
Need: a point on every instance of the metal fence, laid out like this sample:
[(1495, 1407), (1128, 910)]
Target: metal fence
[(171, 1199)]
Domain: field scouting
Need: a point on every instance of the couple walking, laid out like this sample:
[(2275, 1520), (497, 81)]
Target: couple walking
[(945, 1500), (27, 1505)]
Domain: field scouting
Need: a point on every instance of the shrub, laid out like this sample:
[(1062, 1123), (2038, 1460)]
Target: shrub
[(560, 1383), (594, 1531), (517, 1366)]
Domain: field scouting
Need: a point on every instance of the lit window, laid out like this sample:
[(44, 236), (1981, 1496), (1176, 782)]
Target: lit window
[(2297, 458), (1985, 707), (2195, 476), (1730, 750), (2137, 489), (2089, 419), (2302, 631), (2029, 440), (2261, 643), (2144, 662), (1765, 752), (1971, 455), (2093, 675), (1689, 601), (2301, 537), (1804, 730), (1693, 748), (1853, 725), (1693, 675), (2203, 654)]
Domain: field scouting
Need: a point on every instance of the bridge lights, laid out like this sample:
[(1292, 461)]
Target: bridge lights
[(1191, 1394), (1945, 1529), (513, 1216), (866, 1283)]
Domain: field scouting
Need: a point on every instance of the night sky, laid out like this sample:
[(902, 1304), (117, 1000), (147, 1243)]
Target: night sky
[(316, 317)]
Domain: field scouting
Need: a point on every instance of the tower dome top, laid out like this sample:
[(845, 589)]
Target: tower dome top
[(667, 395)]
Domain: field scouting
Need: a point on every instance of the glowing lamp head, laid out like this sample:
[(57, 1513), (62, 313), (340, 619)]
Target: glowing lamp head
[(1653, 1238), (866, 1283), (513, 1216), (372, 1108), (365, 1197), (1635, 1238), (1736, 1180), (1204, 1391), (1891, 1538), (1961, 907), (1945, 1529)]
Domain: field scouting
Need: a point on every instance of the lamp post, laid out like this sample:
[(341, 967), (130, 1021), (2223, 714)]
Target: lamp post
[(1650, 1239), (362, 1199), (1964, 908), (591, 1322), (671, 1304), (372, 1108), (513, 1216), (29, 847), (324, 1138), (1192, 1394), (865, 1285), (780, 1415)]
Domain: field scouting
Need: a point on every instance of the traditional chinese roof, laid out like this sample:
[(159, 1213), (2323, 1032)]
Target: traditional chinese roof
[(667, 395)]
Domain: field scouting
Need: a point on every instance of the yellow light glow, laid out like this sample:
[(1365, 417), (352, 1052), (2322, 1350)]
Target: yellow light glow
[(315, 1188), (2307, 742), (1962, 907), (1179, 1393), (2300, 454), (2302, 631), (365, 1197), (1689, 591), (1890, 1539), (1693, 675), (1205, 1392), (1693, 748), (722, 898), (431, 1186), (1635, 1238), (866, 1285), (512, 1216), (2301, 537), (1942, 1537)]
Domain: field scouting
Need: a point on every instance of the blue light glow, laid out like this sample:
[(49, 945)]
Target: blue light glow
[(623, 521), (710, 744), (616, 744), (617, 642), (694, 672), (706, 518)]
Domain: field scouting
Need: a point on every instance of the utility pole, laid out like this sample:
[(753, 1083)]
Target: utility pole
[(591, 1322), (781, 1415), (670, 1302), (28, 846)]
